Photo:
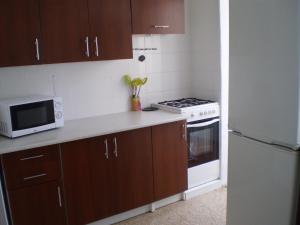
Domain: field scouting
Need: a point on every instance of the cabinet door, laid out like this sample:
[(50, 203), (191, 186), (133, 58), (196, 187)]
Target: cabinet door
[(38, 205), (133, 169), (169, 159), (157, 16), (87, 173), (64, 25), (110, 29), (19, 29)]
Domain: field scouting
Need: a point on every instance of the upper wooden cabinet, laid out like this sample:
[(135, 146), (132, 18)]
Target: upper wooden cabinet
[(169, 159), (59, 31), (64, 25), (84, 30), (19, 32), (110, 29), (157, 16)]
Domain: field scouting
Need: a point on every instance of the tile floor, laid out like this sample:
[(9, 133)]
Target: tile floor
[(207, 209)]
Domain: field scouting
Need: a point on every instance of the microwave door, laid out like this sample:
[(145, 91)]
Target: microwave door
[(32, 115)]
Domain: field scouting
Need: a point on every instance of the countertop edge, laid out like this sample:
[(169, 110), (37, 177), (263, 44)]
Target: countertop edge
[(43, 143)]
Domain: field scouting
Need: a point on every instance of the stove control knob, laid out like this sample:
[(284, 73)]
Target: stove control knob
[(201, 113), (192, 115), (205, 113)]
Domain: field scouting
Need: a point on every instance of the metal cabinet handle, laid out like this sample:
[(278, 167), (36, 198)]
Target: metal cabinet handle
[(116, 147), (87, 52), (184, 132), (59, 196), (34, 177), (106, 149), (32, 157), (37, 49), (97, 46), (161, 26)]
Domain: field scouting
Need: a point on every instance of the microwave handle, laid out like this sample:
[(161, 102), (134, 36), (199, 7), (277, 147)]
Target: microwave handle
[(203, 124)]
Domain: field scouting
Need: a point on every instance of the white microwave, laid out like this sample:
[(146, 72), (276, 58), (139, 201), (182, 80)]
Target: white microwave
[(28, 115)]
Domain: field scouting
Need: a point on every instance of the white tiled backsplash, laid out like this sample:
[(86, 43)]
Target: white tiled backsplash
[(97, 88)]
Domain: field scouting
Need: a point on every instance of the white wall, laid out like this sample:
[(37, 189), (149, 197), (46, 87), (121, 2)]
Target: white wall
[(206, 17), (96, 88), (205, 48)]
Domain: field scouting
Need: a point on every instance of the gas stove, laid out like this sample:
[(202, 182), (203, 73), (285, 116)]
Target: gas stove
[(193, 108)]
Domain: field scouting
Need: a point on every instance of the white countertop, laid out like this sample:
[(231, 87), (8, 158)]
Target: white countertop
[(89, 127)]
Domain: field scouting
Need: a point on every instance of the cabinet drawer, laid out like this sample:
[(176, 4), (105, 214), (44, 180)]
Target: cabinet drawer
[(31, 166)]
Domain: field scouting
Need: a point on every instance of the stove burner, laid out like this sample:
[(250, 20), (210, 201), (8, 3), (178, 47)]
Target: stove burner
[(185, 102)]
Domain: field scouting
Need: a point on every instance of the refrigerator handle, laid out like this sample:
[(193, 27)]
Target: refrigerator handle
[(286, 146), (235, 132)]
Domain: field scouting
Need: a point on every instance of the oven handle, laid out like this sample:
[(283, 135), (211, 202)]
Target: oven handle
[(203, 124)]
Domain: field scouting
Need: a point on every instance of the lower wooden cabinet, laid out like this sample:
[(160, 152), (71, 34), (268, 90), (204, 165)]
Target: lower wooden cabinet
[(83, 181), (87, 176), (132, 170), (107, 175), (33, 186), (38, 205), (169, 159)]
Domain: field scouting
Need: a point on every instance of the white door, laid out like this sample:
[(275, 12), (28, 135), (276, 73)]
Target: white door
[(261, 183), (264, 69)]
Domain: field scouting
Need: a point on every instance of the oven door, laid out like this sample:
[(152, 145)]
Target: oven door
[(203, 141)]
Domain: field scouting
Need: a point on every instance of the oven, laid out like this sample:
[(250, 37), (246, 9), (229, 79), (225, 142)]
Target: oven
[(203, 141)]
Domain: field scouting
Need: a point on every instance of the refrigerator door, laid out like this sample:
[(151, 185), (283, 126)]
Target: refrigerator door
[(264, 69), (262, 183)]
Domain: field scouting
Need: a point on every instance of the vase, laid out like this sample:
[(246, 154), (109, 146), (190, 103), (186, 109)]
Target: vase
[(136, 104)]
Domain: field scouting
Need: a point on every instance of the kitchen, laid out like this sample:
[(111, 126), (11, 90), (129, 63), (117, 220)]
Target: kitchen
[(96, 89), (90, 169)]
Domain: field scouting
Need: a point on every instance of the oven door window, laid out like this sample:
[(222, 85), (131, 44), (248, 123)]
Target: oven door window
[(32, 115), (203, 142)]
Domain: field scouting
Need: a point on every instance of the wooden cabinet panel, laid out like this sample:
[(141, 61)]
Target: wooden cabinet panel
[(31, 167), (58, 31), (19, 27), (87, 174), (64, 25), (133, 169), (169, 159), (100, 181), (102, 176), (157, 16), (38, 205), (110, 29)]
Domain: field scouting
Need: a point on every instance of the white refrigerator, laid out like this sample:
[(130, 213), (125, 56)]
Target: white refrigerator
[(263, 173)]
